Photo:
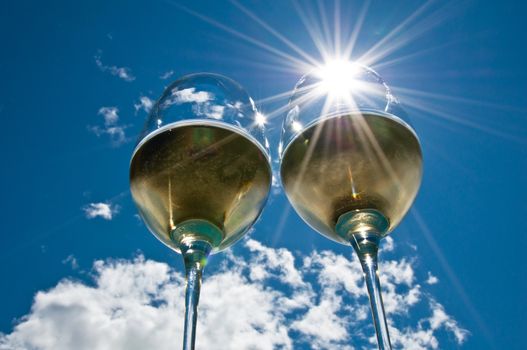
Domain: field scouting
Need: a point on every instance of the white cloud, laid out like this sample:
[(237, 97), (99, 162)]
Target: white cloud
[(336, 271), (190, 96), (72, 261), (414, 339), (431, 279), (104, 210), (440, 318), (200, 100), (387, 244), (277, 262), (421, 337), (276, 186), (166, 75), (145, 103), (115, 132), (122, 72), (264, 301), (400, 292), (211, 111), (110, 115), (321, 324)]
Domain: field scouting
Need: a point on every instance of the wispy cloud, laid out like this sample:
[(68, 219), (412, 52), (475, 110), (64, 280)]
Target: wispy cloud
[(440, 319), (278, 262), (122, 72), (116, 133), (106, 211), (110, 115), (145, 103), (431, 279), (202, 102), (190, 96), (276, 186), (72, 261), (261, 298), (209, 110), (387, 244), (166, 75), (111, 128)]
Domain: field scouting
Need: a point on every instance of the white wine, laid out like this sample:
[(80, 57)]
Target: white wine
[(199, 171), (352, 162)]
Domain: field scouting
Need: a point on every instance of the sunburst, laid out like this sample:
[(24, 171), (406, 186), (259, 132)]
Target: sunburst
[(336, 61)]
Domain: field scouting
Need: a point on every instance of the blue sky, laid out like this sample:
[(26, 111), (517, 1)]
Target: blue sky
[(79, 270)]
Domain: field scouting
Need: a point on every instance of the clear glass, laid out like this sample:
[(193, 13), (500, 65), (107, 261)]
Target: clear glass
[(351, 164), (200, 173)]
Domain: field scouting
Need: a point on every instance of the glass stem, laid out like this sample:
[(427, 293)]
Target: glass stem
[(195, 253), (366, 246), (364, 229)]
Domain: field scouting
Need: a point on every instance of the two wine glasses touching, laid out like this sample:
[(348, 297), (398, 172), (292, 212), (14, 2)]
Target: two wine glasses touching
[(350, 166)]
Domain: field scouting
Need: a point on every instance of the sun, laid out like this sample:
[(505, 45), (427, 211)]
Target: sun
[(339, 78)]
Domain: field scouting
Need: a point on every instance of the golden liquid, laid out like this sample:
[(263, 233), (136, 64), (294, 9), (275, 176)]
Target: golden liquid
[(359, 161), (199, 171)]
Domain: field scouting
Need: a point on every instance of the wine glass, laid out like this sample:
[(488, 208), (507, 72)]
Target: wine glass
[(200, 173), (351, 164)]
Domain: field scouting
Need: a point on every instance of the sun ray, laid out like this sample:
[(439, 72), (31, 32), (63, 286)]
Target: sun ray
[(450, 98), (397, 60), (418, 30), (394, 32), (437, 111), (274, 98), (454, 280), (275, 33), (313, 29), (242, 36), (337, 27), (279, 68), (325, 26), (381, 156), (284, 95), (266, 60), (281, 224), (308, 98), (348, 51)]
